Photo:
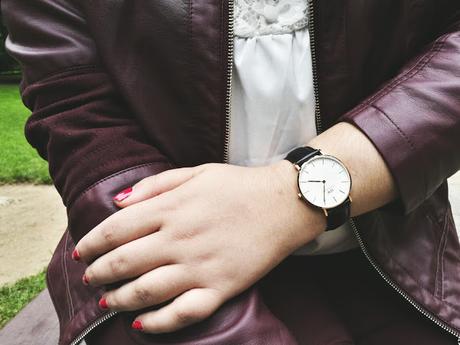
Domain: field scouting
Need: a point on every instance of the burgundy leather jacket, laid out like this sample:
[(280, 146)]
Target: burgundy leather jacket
[(123, 89)]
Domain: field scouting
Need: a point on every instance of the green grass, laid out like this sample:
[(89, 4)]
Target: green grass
[(19, 162), (13, 297)]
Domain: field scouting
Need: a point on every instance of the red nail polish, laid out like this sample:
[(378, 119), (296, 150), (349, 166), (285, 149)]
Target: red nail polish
[(137, 325), (123, 194), (85, 279), (103, 303), (75, 255)]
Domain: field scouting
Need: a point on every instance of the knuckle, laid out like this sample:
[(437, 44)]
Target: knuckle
[(142, 295), (206, 257), (108, 235), (117, 266), (183, 235), (184, 232), (187, 316)]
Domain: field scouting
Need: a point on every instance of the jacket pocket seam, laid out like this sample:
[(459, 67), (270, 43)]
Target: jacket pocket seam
[(420, 286), (441, 257), (439, 266), (66, 277)]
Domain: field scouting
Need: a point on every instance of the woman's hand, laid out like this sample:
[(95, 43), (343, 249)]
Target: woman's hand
[(196, 237)]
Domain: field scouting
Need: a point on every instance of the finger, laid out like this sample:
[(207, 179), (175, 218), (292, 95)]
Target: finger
[(192, 306), (154, 185), (129, 260), (152, 288), (122, 227)]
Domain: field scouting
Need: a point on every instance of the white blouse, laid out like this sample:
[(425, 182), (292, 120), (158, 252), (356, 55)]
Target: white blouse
[(272, 104)]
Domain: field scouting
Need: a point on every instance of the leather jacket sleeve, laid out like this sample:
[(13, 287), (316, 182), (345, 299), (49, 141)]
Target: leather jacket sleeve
[(79, 121), (414, 119)]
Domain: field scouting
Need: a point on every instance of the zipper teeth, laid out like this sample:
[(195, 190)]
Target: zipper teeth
[(398, 289), (443, 325), (311, 31), (229, 80), (92, 326)]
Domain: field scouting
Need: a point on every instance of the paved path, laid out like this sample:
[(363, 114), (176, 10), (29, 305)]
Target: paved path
[(32, 220)]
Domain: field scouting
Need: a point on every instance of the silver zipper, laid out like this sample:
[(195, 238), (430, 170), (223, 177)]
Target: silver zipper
[(229, 80), (88, 329), (226, 143), (311, 32), (386, 278)]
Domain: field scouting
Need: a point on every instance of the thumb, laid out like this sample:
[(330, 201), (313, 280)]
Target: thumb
[(154, 185)]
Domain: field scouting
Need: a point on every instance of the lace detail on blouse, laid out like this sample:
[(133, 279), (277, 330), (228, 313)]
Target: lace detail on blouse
[(263, 17)]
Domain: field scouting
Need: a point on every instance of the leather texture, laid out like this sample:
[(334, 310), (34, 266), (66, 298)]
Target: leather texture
[(338, 215), (301, 154), (120, 83)]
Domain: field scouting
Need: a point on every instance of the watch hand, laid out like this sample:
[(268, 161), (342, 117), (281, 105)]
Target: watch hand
[(324, 193), (314, 181)]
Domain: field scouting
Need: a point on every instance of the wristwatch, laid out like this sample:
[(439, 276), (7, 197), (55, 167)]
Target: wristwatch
[(324, 182)]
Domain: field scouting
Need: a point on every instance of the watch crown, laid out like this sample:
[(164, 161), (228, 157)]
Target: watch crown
[(299, 195)]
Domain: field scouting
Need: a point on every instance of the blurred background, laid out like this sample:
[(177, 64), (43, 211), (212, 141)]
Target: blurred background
[(32, 217)]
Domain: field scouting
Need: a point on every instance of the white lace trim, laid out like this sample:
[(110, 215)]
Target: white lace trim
[(263, 17)]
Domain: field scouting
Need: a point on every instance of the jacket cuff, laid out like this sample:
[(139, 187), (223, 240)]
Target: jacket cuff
[(95, 204), (396, 150)]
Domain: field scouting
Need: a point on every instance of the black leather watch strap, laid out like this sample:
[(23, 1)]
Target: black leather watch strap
[(302, 154), (338, 215)]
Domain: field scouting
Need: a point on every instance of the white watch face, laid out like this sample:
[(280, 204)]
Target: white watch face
[(324, 181)]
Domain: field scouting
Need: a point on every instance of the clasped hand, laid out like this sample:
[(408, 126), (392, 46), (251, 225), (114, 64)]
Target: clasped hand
[(195, 237)]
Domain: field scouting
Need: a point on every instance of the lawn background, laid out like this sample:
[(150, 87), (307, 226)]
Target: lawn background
[(14, 297), (19, 162)]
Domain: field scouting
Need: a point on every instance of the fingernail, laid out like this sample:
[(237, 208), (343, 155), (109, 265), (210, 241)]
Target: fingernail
[(123, 194), (103, 303), (137, 325), (75, 255), (85, 279)]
